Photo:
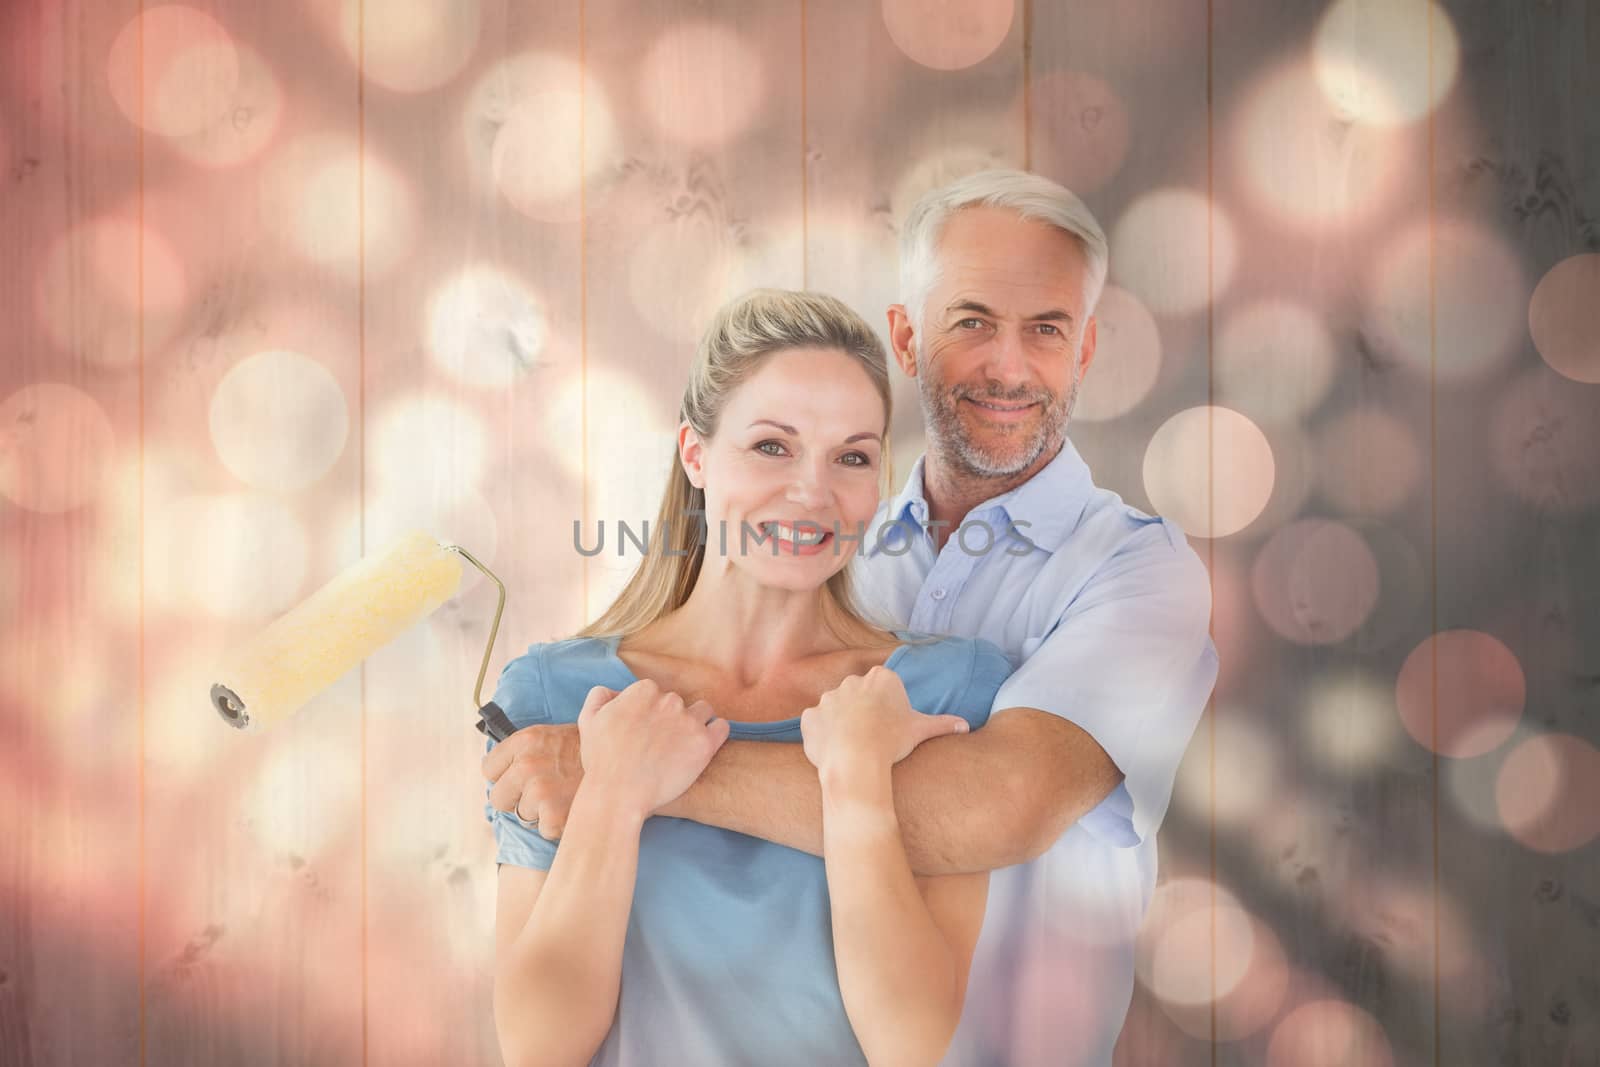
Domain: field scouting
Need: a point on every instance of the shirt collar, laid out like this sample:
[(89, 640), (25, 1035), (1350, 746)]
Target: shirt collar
[(1045, 508)]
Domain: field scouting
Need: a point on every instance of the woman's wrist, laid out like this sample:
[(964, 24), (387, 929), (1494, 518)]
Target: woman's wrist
[(609, 804), (858, 781)]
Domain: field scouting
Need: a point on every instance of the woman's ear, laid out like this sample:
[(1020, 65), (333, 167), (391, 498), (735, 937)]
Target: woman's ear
[(692, 454)]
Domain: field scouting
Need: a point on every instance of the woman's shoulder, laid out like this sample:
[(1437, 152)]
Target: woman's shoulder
[(953, 674), (539, 685)]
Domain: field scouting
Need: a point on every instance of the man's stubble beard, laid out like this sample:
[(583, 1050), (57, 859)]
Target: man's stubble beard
[(948, 437)]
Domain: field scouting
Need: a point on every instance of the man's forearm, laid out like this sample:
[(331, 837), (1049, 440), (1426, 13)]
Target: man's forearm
[(964, 803)]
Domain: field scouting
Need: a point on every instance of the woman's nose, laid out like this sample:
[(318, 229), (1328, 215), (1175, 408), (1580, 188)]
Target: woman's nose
[(808, 489)]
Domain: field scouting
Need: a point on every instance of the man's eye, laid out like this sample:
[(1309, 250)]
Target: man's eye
[(970, 324), (1049, 328), (775, 444)]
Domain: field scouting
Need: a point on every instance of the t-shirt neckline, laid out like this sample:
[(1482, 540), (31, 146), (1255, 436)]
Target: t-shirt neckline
[(738, 726)]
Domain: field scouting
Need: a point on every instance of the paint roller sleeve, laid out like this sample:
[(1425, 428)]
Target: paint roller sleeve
[(337, 627)]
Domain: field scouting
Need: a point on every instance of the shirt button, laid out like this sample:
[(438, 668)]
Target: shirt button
[(938, 594)]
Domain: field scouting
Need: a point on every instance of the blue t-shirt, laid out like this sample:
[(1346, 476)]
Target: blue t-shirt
[(728, 956)]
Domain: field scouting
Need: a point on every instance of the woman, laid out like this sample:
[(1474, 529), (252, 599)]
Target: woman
[(661, 941)]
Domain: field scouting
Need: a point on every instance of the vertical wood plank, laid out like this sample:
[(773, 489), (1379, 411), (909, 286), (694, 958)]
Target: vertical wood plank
[(471, 338), (69, 652), (1517, 487), (254, 878)]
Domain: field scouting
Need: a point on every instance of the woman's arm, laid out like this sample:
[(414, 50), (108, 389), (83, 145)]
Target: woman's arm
[(903, 950), (559, 936), (903, 945)]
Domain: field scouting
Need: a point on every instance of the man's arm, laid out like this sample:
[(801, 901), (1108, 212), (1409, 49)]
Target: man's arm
[(974, 802)]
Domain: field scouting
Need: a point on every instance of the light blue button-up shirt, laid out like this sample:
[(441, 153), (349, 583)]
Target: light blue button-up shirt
[(1105, 612)]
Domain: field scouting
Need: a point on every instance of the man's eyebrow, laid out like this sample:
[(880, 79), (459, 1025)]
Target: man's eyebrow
[(791, 431), (1053, 315)]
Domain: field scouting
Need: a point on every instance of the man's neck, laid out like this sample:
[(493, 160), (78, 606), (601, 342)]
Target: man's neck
[(952, 491)]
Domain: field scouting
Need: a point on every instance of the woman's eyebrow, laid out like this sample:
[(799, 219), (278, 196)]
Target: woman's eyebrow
[(865, 435)]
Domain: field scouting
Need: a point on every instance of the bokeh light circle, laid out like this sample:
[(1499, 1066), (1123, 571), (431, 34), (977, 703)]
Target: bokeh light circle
[(56, 447), (948, 34), (1245, 778), (429, 443), (1315, 582), (1472, 282), (1175, 959), (1274, 360), (485, 328), (345, 206), (1481, 693), (1080, 131), (1349, 724), (540, 131), (247, 123), (410, 46), (279, 421), (1548, 793), (1328, 1033), (173, 70), (1253, 1000), (1127, 358), (1306, 164), (108, 286), (1385, 63), (1210, 470), (1175, 250), (1544, 442), (1368, 462), (236, 556), (701, 84), (1564, 318)]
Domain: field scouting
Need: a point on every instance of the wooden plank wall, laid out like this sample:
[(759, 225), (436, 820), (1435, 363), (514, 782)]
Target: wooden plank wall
[(286, 280)]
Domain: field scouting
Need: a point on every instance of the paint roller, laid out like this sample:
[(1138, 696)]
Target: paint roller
[(277, 672)]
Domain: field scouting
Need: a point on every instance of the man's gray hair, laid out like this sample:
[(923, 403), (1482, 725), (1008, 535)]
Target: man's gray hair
[(1029, 195)]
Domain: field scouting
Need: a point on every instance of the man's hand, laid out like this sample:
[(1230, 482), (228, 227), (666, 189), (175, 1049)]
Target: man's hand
[(536, 771)]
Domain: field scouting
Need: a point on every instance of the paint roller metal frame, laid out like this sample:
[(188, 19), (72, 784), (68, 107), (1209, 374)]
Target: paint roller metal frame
[(493, 720)]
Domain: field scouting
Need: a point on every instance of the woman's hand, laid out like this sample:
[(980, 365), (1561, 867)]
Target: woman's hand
[(643, 747), (868, 718)]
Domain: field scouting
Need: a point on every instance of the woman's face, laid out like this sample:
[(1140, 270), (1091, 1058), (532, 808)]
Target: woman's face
[(799, 443)]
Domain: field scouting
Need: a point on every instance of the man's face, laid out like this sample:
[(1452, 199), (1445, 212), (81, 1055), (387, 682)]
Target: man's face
[(1003, 342)]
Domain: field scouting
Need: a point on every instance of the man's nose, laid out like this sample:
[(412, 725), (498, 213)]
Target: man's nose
[(1006, 360)]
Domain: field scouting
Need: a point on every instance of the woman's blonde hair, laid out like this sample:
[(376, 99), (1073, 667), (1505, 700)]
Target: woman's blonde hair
[(740, 338)]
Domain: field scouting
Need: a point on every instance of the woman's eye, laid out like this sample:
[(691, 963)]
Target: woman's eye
[(775, 444), (866, 460)]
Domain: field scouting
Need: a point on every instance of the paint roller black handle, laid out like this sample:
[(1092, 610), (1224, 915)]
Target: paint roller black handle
[(494, 722)]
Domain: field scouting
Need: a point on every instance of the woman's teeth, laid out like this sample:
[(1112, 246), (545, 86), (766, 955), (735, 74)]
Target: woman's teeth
[(789, 533)]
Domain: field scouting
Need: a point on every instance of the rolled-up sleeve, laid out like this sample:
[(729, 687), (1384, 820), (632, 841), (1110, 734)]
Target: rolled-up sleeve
[(520, 693), (1130, 661)]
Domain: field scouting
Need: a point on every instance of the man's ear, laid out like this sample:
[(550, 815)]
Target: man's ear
[(1090, 336), (902, 339), (692, 454)]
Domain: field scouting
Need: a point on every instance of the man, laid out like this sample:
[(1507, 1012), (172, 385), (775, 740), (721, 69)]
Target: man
[(1000, 533)]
